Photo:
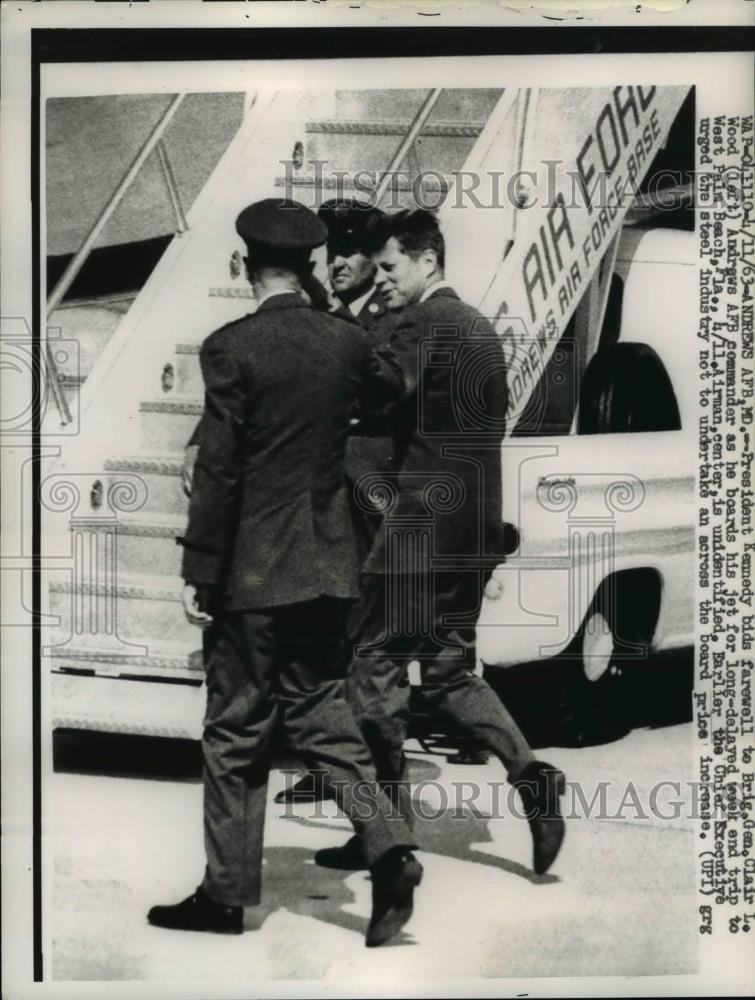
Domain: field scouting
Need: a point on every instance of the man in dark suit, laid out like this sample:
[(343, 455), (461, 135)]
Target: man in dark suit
[(271, 566), (441, 536)]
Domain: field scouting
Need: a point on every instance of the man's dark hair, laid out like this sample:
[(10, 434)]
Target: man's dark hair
[(259, 257), (415, 230)]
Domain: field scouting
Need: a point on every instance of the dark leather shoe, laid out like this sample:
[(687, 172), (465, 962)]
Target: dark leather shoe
[(349, 857), (311, 788), (394, 878), (199, 913), (540, 787)]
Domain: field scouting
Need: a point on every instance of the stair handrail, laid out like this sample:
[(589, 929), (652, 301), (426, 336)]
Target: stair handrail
[(119, 405), (172, 186), (80, 257), (406, 143)]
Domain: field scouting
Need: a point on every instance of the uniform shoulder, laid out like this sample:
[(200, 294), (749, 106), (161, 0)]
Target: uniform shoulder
[(338, 323), (225, 335)]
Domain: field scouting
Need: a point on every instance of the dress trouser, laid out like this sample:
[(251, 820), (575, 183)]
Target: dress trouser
[(430, 618), (256, 662)]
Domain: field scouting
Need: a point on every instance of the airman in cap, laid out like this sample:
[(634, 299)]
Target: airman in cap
[(278, 232), (280, 225), (351, 273), (350, 269)]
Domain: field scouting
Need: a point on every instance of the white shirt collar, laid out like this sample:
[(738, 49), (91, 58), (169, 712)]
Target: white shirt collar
[(283, 291), (355, 307), (433, 288)]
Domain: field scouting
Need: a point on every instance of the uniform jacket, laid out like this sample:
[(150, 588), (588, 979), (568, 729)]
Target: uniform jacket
[(370, 445), (447, 428), (373, 316), (269, 515)]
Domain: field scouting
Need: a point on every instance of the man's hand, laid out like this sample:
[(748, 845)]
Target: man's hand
[(319, 295), (187, 469), (196, 600)]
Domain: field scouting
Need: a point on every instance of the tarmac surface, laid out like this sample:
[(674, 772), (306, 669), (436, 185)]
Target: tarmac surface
[(124, 831)]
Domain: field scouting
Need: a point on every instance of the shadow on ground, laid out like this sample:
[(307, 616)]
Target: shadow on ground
[(292, 880), (452, 834)]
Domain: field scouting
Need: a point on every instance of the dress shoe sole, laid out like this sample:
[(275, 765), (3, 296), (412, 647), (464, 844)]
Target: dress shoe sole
[(341, 865), (205, 928), (282, 798), (342, 859), (307, 789), (544, 861), (400, 913)]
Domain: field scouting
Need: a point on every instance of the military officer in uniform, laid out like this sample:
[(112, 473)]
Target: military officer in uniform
[(354, 298), (441, 536), (351, 272), (271, 565), (351, 275)]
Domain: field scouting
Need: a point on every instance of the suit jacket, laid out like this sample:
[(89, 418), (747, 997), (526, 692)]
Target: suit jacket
[(269, 515), (448, 428)]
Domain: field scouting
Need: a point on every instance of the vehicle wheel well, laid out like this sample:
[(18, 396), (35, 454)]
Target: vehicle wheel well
[(631, 600), (626, 388)]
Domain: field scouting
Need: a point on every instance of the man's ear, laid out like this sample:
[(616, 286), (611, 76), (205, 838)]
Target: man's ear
[(430, 259)]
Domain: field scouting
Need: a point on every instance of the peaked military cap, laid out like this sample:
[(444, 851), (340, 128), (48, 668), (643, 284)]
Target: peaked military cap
[(349, 221), (281, 224)]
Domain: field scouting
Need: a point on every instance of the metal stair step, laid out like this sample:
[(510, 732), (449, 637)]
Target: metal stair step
[(108, 704), (160, 474), (361, 126), (100, 615), (168, 423), (169, 662), (331, 182), (454, 104), (144, 542), (188, 372)]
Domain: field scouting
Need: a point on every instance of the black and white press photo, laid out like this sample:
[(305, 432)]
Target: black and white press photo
[(387, 499)]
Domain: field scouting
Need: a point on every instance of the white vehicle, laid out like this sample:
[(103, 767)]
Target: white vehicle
[(603, 567), (603, 574)]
